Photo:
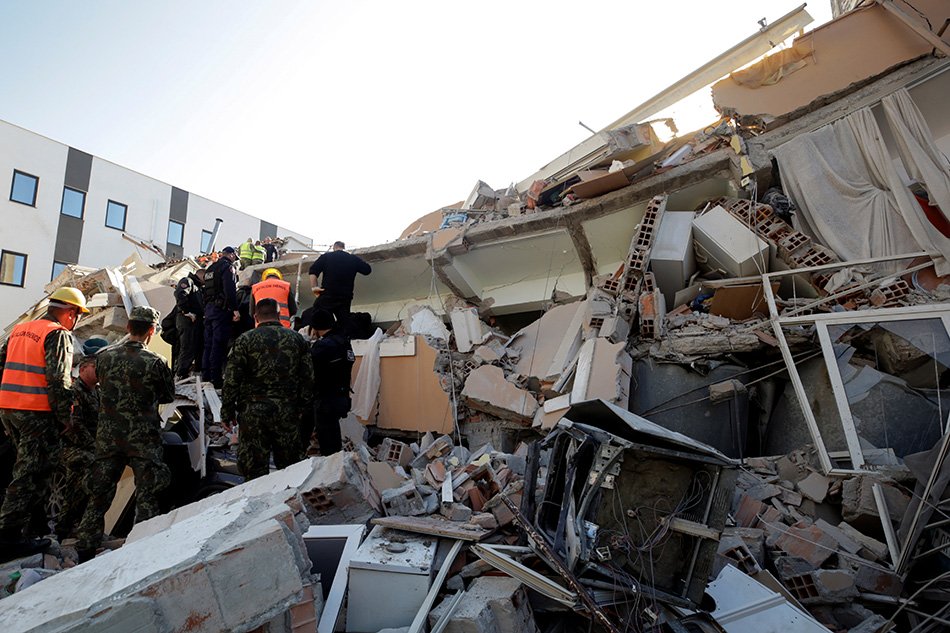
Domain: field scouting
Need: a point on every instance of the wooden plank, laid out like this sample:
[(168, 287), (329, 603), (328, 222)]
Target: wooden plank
[(434, 527), (692, 528)]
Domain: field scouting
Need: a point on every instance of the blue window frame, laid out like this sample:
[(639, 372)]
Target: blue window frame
[(176, 233), (58, 267), (205, 241), (12, 268), (115, 215), (24, 187), (74, 202)]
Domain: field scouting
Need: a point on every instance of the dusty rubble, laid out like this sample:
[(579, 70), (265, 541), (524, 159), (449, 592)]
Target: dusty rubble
[(737, 428)]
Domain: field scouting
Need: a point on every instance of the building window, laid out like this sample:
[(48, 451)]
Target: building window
[(24, 188), (58, 267), (115, 215), (176, 233), (205, 241), (74, 201), (12, 268)]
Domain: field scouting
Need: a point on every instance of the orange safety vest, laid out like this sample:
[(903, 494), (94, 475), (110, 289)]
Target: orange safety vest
[(24, 385), (277, 290)]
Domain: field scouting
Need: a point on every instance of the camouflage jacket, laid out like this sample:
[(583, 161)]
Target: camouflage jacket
[(271, 363), (84, 417), (133, 381)]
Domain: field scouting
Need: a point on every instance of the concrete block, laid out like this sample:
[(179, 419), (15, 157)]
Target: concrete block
[(403, 501), (333, 489), (138, 615), (789, 566), (844, 541), (492, 604), (871, 548), (880, 581), (807, 542), (747, 514), (487, 390), (456, 512), (815, 487), (484, 520), (835, 585), (394, 452), (857, 500), (234, 567)]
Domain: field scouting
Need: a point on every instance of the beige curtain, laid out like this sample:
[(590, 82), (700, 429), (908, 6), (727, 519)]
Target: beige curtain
[(851, 197), (923, 160), (842, 202)]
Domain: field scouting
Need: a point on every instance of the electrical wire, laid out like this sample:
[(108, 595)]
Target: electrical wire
[(748, 384)]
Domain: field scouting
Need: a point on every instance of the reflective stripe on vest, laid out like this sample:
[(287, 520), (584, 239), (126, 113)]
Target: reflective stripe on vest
[(277, 290), (24, 385), (246, 251)]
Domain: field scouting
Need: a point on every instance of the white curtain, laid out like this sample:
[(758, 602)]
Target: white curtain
[(923, 160), (850, 195)]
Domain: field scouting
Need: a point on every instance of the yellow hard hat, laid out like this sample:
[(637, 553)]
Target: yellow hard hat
[(271, 272), (72, 296)]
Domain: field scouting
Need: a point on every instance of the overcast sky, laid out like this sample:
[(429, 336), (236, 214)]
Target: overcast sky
[(347, 119)]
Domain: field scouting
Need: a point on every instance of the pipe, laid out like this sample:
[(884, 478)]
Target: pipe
[(214, 234)]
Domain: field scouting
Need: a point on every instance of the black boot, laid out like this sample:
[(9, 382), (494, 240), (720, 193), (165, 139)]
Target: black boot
[(86, 554), (12, 549)]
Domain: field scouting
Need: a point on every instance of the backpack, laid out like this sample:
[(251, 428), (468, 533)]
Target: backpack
[(169, 331)]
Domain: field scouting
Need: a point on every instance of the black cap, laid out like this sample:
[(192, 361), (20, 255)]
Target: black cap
[(229, 250)]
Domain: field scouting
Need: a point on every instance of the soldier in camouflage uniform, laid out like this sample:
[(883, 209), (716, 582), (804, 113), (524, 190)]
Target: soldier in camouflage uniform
[(35, 399), (79, 446), (267, 384), (132, 383)]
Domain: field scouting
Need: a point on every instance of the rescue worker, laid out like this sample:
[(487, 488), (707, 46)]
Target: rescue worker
[(259, 254), (268, 382), (273, 286), (246, 252), (339, 270), (35, 400), (79, 445), (221, 311), (333, 359), (190, 322), (133, 381), (270, 249)]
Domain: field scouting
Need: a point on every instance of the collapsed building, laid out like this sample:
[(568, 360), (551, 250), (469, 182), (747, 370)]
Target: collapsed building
[(693, 385)]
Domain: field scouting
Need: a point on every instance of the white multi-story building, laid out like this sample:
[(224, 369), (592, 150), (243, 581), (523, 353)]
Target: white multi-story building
[(65, 206)]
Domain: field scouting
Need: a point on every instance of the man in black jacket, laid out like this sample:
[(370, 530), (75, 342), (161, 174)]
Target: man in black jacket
[(339, 270), (333, 360), (190, 322), (221, 311)]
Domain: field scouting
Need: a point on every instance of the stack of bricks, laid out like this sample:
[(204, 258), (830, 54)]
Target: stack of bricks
[(652, 308), (890, 294), (638, 257)]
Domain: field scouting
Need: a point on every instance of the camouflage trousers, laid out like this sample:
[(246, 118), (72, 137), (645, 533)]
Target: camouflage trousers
[(74, 464), (266, 428), (141, 449), (36, 437)]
